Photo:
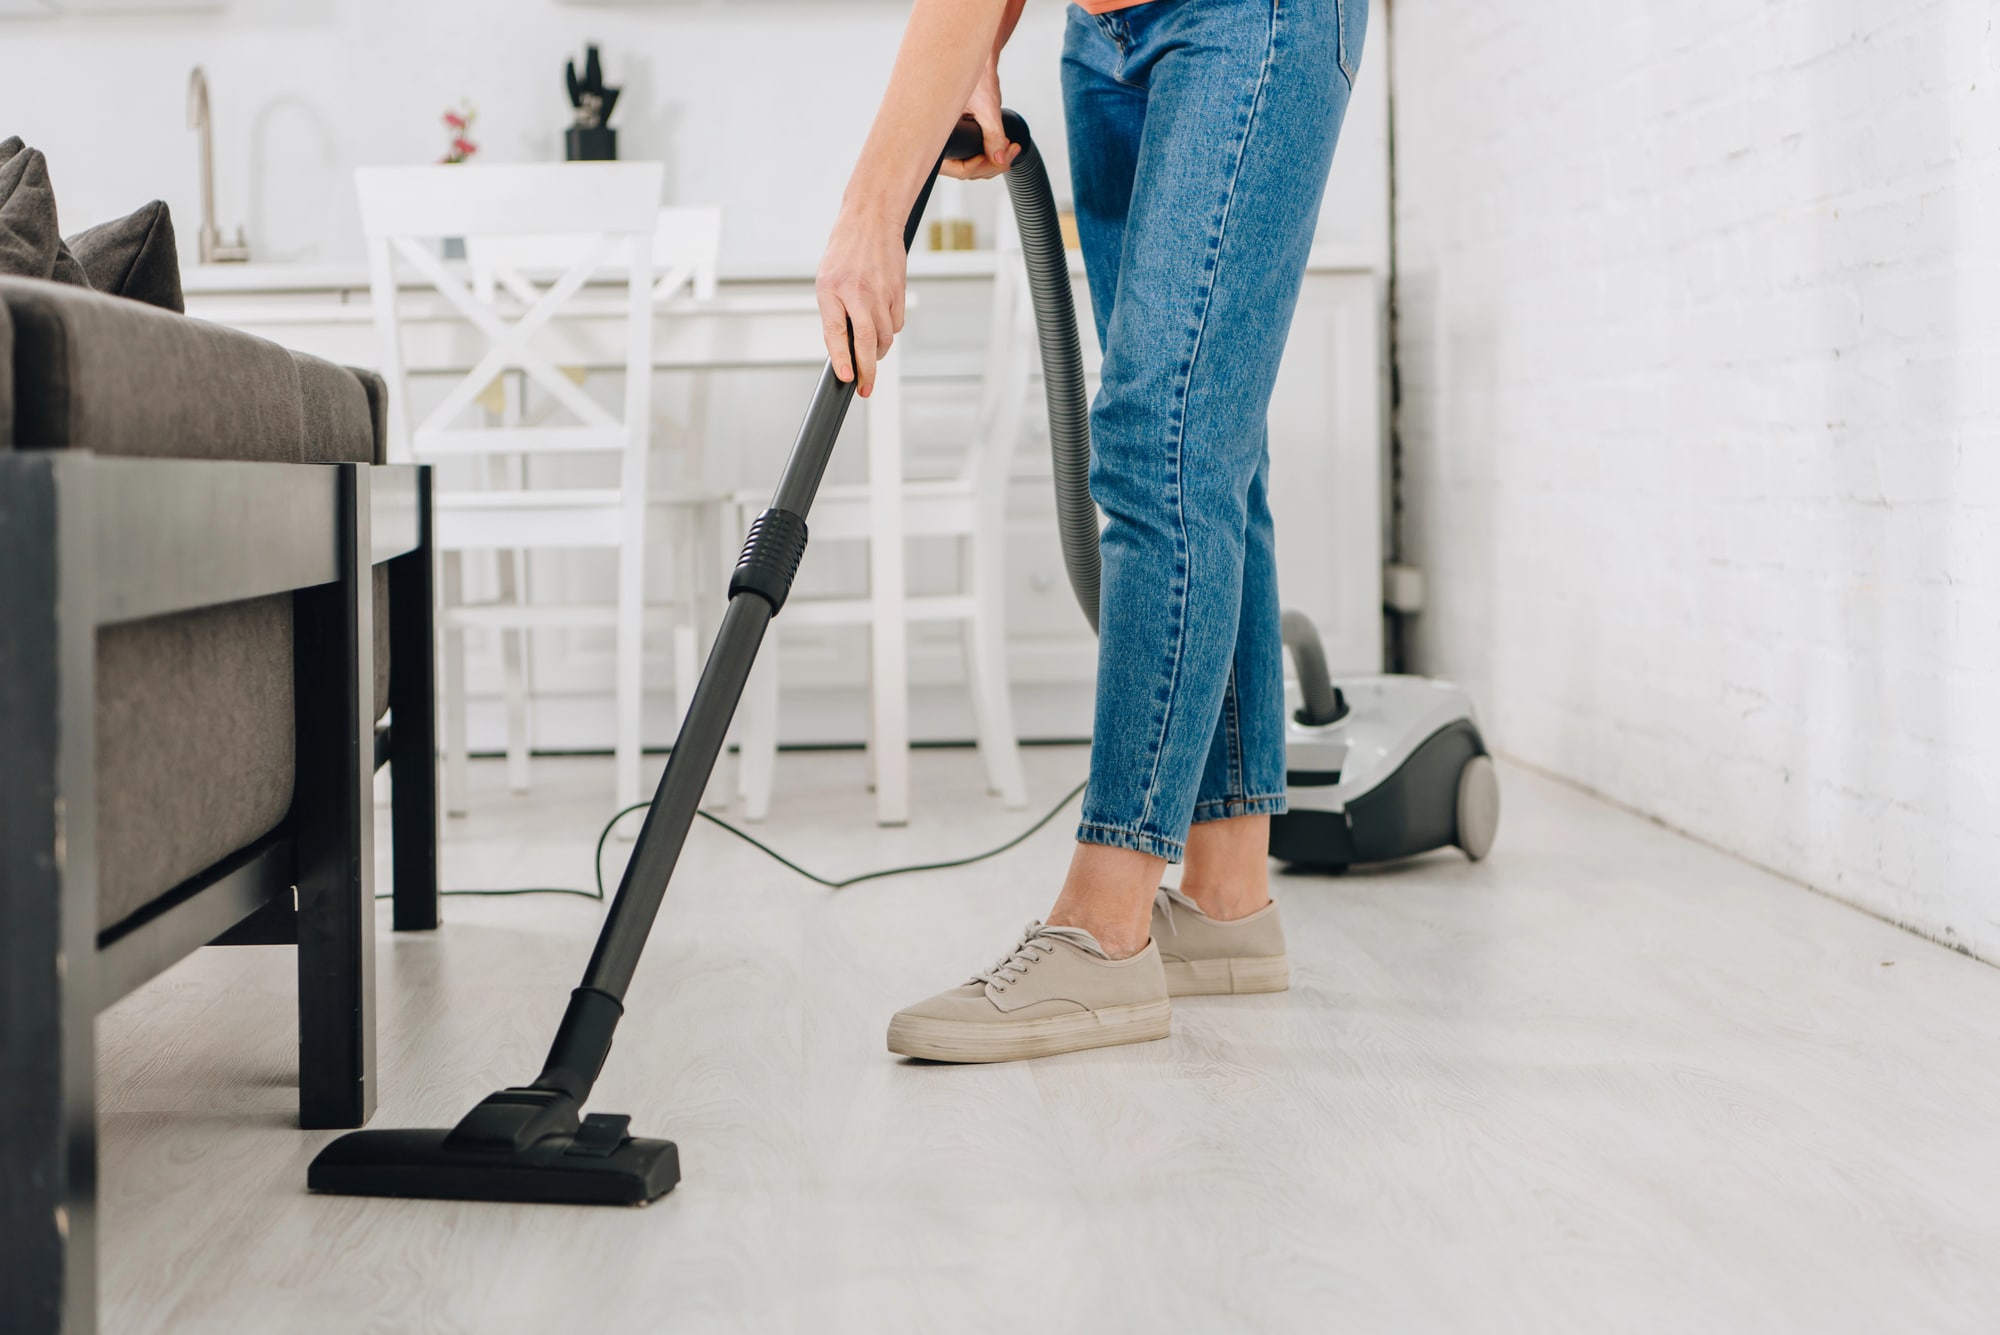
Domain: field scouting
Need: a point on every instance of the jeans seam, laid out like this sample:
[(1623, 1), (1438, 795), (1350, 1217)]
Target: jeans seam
[(1186, 388), (1182, 579), (1230, 703)]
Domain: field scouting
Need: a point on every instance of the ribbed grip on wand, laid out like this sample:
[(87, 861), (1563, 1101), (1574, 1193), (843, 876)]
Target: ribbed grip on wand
[(771, 554)]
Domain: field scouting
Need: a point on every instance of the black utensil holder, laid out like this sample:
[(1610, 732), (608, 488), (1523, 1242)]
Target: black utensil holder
[(590, 143)]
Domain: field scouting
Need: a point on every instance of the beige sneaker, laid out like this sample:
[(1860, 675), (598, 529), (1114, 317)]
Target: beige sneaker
[(1204, 957), (1054, 992)]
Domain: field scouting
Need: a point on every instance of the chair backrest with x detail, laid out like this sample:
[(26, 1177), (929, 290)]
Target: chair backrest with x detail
[(687, 244), (607, 214)]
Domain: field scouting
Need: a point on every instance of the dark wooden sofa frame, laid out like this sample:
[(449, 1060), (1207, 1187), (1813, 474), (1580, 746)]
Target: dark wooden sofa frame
[(89, 541)]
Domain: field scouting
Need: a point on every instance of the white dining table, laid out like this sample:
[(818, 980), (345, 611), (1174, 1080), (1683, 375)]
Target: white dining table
[(325, 310)]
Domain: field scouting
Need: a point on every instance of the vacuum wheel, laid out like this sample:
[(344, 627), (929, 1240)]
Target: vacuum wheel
[(1478, 807)]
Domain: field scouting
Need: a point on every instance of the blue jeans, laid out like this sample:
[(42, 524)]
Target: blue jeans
[(1200, 135)]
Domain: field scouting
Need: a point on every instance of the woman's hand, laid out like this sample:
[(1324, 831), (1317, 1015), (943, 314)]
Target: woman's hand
[(860, 282), (946, 45), (984, 107)]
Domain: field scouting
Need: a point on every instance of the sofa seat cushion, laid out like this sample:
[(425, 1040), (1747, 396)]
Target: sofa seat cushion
[(195, 744)]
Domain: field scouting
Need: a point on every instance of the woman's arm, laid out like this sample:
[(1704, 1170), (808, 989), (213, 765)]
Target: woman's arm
[(984, 106), (948, 47)]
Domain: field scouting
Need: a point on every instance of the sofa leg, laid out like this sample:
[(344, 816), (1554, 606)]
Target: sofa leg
[(48, 897), (413, 759), (48, 1156), (333, 814)]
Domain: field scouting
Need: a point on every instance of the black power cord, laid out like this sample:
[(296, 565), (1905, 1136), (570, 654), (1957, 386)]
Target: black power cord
[(604, 837)]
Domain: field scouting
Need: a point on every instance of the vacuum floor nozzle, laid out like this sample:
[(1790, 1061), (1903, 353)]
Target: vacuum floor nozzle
[(597, 1164)]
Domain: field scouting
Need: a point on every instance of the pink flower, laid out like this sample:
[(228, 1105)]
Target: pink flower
[(454, 120)]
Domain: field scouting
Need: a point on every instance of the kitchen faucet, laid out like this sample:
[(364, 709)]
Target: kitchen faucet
[(212, 249)]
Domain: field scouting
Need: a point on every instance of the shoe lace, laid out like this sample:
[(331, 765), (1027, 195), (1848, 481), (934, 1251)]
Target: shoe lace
[(1037, 943), (1166, 897)]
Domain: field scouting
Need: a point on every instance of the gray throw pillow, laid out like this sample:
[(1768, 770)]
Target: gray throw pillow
[(134, 257), (31, 244)]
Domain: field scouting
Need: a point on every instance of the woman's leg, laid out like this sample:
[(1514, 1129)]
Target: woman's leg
[(1201, 132), (1109, 889), (1243, 101), (1243, 783)]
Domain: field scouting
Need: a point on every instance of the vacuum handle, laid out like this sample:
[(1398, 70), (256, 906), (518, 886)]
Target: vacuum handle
[(966, 140), (969, 141)]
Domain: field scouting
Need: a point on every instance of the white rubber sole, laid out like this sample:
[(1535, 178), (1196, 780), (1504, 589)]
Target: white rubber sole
[(1016, 1040), (1227, 977)]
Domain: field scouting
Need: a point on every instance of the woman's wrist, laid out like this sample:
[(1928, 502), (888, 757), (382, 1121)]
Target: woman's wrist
[(870, 209)]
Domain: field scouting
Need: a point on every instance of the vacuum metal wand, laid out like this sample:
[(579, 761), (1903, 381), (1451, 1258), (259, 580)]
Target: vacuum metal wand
[(757, 591)]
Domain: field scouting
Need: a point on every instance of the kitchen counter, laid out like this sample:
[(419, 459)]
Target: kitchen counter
[(215, 280)]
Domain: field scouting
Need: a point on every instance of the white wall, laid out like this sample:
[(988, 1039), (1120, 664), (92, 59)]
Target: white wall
[(754, 104), (1701, 316)]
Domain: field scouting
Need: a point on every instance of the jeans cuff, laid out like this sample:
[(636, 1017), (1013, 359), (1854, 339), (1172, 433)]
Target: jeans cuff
[(1141, 841), (1226, 807)]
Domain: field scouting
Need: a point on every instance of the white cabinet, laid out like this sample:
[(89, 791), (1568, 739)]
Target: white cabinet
[(1328, 444)]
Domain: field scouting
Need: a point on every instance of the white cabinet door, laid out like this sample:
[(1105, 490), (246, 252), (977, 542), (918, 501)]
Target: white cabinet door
[(1327, 448)]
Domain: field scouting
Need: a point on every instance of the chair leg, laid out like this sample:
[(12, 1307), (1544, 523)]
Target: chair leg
[(413, 757), (868, 750), (513, 655), (985, 641), (686, 669), (509, 473), (629, 696), (993, 714), (760, 735), (333, 818), (739, 726), (889, 665), (726, 516), (889, 722), (454, 702)]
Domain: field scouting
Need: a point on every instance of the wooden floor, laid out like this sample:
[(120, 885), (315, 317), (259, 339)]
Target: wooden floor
[(1610, 1080)]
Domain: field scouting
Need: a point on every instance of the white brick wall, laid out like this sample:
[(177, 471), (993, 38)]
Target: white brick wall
[(1701, 360)]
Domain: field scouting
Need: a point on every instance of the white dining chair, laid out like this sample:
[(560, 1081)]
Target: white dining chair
[(970, 507), (608, 215), (687, 245)]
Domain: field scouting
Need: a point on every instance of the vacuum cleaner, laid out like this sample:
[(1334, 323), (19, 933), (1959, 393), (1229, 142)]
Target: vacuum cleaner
[(1379, 767), (1388, 767)]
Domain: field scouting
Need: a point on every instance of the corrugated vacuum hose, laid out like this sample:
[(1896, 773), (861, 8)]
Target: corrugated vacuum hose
[(1062, 360)]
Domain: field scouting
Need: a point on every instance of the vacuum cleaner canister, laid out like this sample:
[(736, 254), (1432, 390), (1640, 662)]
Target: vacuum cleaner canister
[(1378, 767)]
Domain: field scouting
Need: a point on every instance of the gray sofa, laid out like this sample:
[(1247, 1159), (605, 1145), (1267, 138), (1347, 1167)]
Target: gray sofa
[(211, 590)]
